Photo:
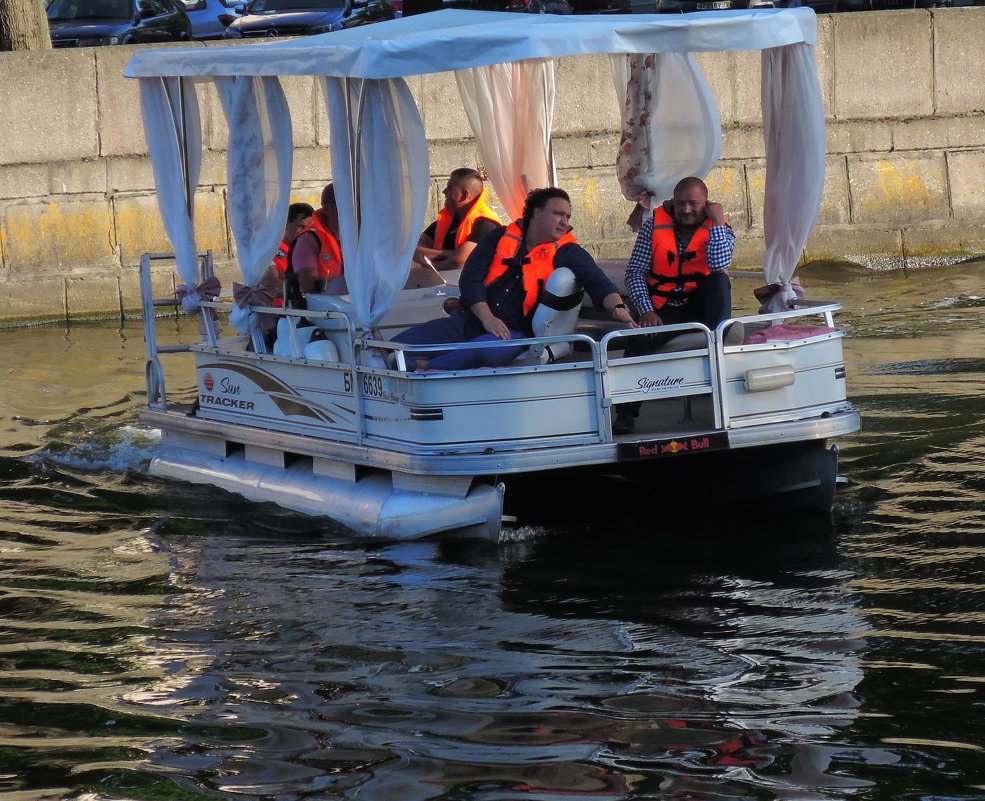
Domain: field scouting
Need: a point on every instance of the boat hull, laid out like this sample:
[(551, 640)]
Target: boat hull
[(377, 501), (371, 505), (796, 477)]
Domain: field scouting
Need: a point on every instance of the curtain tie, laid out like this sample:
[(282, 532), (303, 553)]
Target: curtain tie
[(643, 203), (246, 296), (191, 297), (778, 297), (260, 295)]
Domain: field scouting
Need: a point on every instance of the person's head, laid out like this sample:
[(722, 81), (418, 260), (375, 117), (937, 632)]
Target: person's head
[(546, 215), (328, 196), (329, 211), (298, 217), (463, 187), (690, 199)]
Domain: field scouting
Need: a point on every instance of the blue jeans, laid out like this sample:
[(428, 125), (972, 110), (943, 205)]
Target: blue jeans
[(452, 329)]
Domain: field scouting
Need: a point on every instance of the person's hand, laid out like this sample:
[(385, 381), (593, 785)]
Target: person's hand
[(650, 319), (621, 314), (444, 261), (715, 213), (497, 328)]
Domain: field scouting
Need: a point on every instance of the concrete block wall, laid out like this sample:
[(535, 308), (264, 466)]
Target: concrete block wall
[(906, 157)]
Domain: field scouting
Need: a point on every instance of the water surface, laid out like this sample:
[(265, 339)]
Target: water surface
[(164, 641)]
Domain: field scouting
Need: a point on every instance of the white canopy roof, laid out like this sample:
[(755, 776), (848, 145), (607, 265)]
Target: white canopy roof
[(503, 64), (448, 40)]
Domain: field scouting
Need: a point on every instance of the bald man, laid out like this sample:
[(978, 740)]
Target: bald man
[(677, 272), (463, 222)]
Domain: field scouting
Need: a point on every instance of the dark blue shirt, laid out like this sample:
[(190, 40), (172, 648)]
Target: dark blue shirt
[(505, 295)]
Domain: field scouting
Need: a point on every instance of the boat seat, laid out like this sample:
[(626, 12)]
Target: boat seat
[(287, 330), (687, 340), (785, 332), (331, 345), (421, 276)]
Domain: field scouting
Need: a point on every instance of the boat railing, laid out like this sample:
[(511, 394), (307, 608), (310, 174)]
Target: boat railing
[(690, 348), (698, 356), (154, 373), (801, 308), (534, 347), (693, 363)]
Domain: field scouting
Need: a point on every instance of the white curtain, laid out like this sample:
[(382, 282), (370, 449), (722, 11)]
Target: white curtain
[(174, 135), (381, 174), (793, 123), (511, 110), (258, 168), (670, 123)]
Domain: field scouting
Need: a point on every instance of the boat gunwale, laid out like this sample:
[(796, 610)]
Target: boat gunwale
[(832, 421)]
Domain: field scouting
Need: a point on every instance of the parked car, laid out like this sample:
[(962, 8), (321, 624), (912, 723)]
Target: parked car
[(84, 23), (685, 6), (210, 17), (819, 6), (272, 18), (409, 7)]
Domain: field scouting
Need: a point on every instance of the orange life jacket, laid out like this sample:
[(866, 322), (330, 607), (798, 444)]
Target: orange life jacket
[(280, 262), (538, 263), (330, 257), (280, 258), (671, 273), (480, 209)]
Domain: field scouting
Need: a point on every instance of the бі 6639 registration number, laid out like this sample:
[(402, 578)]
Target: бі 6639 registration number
[(375, 386)]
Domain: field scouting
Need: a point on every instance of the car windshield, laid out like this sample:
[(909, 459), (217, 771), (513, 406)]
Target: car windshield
[(268, 6), (89, 9)]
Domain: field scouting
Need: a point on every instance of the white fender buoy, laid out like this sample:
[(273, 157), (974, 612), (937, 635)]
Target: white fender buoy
[(556, 314)]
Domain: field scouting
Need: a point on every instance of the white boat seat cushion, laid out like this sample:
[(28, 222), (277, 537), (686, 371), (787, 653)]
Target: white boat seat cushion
[(286, 327)]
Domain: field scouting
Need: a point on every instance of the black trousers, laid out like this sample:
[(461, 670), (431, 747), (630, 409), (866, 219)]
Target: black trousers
[(710, 303)]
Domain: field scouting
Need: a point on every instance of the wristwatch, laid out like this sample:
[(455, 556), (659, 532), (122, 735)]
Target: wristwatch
[(619, 306)]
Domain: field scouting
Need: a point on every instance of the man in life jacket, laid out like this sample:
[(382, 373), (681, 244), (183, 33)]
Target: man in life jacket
[(502, 282), (465, 220), (298, 218), (677, 272), (315, 256)]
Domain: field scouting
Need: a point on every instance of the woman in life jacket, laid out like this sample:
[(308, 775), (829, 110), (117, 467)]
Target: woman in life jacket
[(503, 281)]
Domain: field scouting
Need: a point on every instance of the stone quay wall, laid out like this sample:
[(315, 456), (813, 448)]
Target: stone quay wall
[(905, 172)]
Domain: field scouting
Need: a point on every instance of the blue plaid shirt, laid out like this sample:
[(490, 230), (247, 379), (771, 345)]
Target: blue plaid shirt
[(721, 246)]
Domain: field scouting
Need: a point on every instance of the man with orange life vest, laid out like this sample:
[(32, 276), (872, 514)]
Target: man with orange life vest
[(677, 272), (465, 220), (315, 256), (502, 282)]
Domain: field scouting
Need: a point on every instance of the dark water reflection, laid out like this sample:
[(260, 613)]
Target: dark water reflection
[(165, 641)]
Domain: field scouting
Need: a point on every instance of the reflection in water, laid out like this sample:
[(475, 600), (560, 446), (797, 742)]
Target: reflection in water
[(167, 641), (412, 669)]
